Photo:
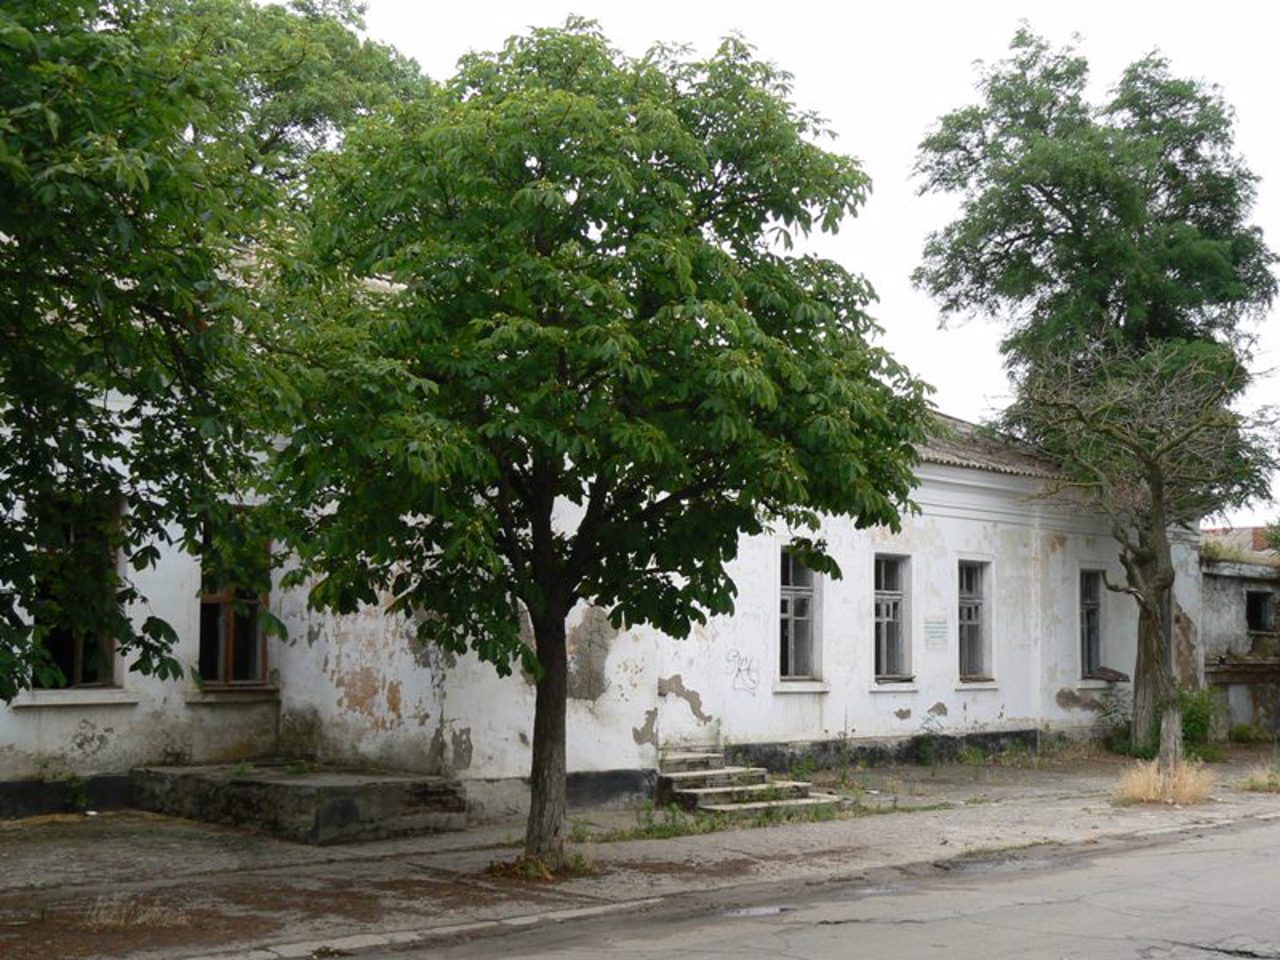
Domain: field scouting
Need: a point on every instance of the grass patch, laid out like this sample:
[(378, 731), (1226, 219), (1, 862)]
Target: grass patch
[(1006, 852), (1262, 779), (526, 867), (1219, 550), (1189, 783), (662, 823), (1249, 733), (971, 756)]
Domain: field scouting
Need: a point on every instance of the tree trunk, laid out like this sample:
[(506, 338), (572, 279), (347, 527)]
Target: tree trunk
[(1147, 698), (1157, 717), (544, 837), (1170, 738)]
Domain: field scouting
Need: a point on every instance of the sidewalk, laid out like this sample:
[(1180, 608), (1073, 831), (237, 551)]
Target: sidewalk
[(139, 885)]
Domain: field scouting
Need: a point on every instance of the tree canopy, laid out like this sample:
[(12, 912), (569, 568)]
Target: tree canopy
[(144, 144), (562, 352), (1125, 220)]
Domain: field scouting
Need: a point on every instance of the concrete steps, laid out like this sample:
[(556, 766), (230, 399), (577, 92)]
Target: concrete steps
[(745, 792), (691, 761), (718, 777), (699, 780), (306, 805)]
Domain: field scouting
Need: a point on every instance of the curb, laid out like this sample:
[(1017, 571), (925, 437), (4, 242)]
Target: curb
[(340, 946)]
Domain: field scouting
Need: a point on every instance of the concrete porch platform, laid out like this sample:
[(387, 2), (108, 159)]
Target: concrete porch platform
[(305, 804)]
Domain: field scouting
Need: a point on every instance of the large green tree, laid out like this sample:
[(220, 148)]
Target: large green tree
[(1112, 238), (560, 353), (145, 145)]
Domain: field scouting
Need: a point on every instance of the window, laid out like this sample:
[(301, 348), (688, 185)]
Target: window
[(231, 642), (1259, 610), (1091, 586), (973, 620), (75, 612), (233, 649), (796, 627), (892, 659)]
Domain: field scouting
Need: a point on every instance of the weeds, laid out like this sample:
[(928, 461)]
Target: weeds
[(1019, 755), (803, 768), (661, 823), (1262, 779), (109, 913), (1217, 550), (1060, 748), (77, 790), (1249, 733), (929, 741), (528, 867), (971, 756), (1200, 710), (1006, 852), (1188, 783), (76, 787)]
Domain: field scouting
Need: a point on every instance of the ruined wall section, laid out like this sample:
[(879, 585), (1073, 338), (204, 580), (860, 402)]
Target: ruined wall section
[(362, 689), (1242, 658), (358, 689)]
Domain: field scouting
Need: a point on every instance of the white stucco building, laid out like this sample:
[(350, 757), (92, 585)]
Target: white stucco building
[(984, 614)]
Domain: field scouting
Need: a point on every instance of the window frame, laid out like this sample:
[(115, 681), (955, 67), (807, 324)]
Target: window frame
[(1084, 606), (900, 596), (61, 514), (981, 603), (232, 602), (789, 592), (227, 601), (1269, 608)]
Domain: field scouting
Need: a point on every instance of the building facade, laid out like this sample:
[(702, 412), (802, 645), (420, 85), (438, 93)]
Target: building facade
[(986, 613)]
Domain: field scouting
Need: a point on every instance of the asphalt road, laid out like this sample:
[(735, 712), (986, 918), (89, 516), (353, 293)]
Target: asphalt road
[(1186, 895)]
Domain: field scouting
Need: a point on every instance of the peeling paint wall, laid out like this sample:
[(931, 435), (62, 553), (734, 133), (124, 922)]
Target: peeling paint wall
[(376, 696), (588, 644), (1224, 619), (1242, 664)]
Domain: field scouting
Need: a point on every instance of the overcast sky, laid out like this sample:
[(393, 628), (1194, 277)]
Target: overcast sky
[(882, 74)]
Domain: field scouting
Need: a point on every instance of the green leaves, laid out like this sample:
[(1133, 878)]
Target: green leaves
[(144, 145), (620, 375), (1124, 221)]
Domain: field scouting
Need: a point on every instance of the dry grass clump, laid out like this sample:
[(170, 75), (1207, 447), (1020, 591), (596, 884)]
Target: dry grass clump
[(529, 867), (1262, 779), (1142, 783), (110, 913)]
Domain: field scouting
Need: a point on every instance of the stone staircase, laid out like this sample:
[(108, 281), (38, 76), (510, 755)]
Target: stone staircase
[(699, 780)]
